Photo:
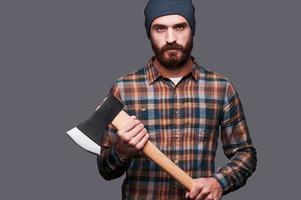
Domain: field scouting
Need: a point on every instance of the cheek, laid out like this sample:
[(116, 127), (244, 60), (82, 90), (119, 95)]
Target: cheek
[(159, 43), (158, 40), (183, 39)]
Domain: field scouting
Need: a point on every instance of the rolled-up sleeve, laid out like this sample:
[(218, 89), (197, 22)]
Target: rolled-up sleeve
[(237, 144)]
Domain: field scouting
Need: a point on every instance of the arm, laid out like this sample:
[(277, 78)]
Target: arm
[(109, 164), (237, 144), (118, 147)]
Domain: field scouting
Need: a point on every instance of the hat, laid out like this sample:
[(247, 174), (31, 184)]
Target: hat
[(158, 8)]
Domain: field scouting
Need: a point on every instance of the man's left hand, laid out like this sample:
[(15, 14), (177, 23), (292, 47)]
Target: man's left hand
[(205, 189)]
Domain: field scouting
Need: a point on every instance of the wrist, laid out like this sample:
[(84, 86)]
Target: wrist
[(216, 182), (219, 181)]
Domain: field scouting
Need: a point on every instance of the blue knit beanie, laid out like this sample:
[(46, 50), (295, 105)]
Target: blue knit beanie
[(158, 8)]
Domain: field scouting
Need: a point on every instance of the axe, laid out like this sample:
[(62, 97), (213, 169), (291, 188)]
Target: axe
[(89, 134)]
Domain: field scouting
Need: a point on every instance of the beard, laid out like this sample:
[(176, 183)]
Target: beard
[(172, 61)]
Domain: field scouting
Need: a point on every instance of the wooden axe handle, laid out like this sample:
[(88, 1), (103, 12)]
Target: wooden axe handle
[(151, 151)]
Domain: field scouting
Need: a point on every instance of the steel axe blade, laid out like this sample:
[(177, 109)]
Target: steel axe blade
[(88, 134)]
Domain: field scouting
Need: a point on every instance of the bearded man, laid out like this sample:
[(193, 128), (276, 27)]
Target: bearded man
[(182, 108)]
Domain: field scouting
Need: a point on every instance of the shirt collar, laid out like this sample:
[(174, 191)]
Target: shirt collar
[(152, 74)]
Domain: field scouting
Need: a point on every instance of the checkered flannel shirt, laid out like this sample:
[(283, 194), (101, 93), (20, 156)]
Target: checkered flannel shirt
[(184, 121)]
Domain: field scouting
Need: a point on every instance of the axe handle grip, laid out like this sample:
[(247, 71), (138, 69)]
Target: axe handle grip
[(152, 152)]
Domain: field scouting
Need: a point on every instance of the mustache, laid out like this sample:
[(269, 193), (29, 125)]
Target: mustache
[(172, 46)]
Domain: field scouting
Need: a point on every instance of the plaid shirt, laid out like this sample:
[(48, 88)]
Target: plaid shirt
[(184, 122)]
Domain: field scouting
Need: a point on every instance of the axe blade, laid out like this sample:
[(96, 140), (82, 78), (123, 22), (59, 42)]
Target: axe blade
[(88, 134)]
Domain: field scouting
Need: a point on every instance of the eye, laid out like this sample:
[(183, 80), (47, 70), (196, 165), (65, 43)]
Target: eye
[(180, 27), (160, 28)]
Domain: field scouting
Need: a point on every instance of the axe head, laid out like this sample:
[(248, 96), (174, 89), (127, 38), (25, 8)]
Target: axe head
[(88, 134)]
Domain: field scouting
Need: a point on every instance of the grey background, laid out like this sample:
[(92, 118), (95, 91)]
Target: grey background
[(58, 60)]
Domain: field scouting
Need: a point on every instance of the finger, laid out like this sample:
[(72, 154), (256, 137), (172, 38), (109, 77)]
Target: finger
[(142, 142), (129, 126), (195, 191), (187, 195), (137, 138), (135, 131), (216, 196), (210, 197), (203, 195)]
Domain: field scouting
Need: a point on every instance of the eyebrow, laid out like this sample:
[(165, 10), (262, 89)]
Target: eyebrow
[(184, 24), (175, 25)]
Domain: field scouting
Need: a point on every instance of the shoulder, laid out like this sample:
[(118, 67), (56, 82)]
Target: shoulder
[(135, 76), (218, 82), (127, 82), (213, 76), (130, 81)]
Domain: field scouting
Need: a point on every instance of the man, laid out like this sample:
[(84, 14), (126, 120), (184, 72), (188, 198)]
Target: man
[(180, 107)]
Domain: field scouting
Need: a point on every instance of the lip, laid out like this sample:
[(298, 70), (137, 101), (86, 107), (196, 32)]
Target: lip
[(172, 50)]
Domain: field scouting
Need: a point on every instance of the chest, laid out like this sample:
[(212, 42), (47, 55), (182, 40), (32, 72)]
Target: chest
[(188, 106)]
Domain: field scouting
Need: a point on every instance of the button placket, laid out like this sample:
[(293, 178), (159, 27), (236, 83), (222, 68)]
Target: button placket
[(177, 127)]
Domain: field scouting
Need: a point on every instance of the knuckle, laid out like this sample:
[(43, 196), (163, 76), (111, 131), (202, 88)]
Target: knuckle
[(141, 126), (205, 190), (133, 124), (142, 134), (199, 186), (145, 138)]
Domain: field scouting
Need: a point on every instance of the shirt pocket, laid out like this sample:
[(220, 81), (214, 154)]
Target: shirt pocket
[(149, 116)]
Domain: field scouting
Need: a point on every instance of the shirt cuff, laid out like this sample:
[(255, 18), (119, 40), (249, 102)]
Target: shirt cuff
[(222, 180), (115, 161)]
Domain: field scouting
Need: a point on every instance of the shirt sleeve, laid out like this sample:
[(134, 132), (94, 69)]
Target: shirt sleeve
[(237, 144), (110, 166)]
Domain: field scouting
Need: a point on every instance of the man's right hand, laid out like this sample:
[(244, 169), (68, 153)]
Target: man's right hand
[(131, 139)]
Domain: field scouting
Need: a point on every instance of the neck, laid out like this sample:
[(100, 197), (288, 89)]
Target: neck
[(172, 73)]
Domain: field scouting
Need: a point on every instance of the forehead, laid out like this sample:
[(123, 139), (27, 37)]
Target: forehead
[(169, 20)]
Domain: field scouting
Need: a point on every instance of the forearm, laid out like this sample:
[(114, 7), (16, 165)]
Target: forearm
[(237, 144), (235, 174), (110, 166)]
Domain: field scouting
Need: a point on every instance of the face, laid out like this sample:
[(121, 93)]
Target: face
[(172, 41)]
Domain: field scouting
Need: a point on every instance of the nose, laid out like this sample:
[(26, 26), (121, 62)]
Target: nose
[(170, 36)]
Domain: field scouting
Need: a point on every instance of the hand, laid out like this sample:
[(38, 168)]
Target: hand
[(131, 139), (205, 189)]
